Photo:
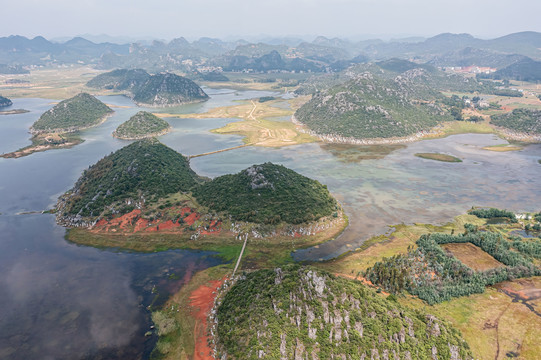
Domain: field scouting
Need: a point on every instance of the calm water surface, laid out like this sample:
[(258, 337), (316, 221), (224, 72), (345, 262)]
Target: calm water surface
[(62, 301)]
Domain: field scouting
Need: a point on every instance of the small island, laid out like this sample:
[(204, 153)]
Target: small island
[(77, 113), (438, 157), (13, 112), (142, 125), (5, 102), (58, 127)]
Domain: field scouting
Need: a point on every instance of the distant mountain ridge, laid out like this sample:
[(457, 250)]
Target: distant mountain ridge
[(320, 54)]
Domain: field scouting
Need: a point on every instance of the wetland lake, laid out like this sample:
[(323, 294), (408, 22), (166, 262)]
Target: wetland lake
[(63, 301)]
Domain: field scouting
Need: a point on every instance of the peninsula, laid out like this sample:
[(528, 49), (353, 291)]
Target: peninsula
[(58, 127)]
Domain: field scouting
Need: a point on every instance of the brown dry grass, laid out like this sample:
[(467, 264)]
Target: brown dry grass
[(58, 83), (493, 324), (472, 256), (255, 126)]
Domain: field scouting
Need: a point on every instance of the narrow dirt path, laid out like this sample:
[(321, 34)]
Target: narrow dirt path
[(202, 300), (496, 326), (252, 112)]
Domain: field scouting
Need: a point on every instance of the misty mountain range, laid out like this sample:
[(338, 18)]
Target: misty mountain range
[(287, 54)]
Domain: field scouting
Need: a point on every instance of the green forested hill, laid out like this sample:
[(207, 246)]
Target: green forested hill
[(147, 170), (121, 79), (141, 125), (268, 193), (137, 172), (78, 112), (160, 90), (373, 106), (521, 120), (5, 102), (300, 313), (167, 89)]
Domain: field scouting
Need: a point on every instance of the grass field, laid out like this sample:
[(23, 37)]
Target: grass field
[(495, 325), (58, 83)]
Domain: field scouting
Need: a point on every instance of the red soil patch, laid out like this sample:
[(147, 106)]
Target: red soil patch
[(122, 221), (140, 225), (214, 228), (361, 279), (528, 291), (190, 219), (203, 298), (168, 225)]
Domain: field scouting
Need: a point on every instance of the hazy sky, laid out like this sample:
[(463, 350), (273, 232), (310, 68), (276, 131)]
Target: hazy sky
[(221, 18)]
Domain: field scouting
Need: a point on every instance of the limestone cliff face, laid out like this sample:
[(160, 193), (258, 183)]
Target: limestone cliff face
[(301, 313)]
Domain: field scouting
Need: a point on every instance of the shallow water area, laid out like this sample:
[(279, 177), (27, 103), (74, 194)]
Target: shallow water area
[(63, 301), (400, 187)]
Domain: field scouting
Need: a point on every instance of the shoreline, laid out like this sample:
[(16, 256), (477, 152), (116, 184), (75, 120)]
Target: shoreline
[(70, 130), (437, 132), (13, 112), (160, 133), (29, 150), (140, 104), (40, 147)]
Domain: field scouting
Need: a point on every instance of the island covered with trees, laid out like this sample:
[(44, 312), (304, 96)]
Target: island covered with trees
[(268, 193), (142, 125), (77, 113), (159, 90)]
